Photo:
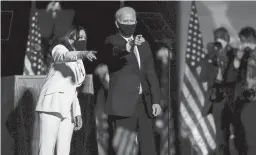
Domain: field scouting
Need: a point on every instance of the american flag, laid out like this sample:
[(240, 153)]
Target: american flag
[(102, 133), (34, 60), (201, 130), (124, 141)]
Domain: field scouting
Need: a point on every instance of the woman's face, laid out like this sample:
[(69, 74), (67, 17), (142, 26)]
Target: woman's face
[(82, 35)]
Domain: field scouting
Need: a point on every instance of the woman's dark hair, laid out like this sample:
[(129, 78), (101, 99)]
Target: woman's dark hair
[(70, 34), (80, 28), (247, 32)]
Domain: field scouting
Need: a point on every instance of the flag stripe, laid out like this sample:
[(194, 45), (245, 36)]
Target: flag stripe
[(27, 67), (101, 149), (201, 124), (193, 129), (197, 87), (196, 116), (193, 92), (209, 123), (194, 97)]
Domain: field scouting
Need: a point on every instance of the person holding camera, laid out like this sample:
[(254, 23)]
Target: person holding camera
[(220, 75), (245, 99)]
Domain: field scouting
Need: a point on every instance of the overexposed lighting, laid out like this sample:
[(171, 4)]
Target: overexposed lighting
[(53, 7), (218, 11), (162, 54), (160, 124)]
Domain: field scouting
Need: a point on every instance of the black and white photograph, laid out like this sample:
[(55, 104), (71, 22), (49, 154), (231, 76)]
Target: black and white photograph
[(217, 47), (88, 77), (128, 77)]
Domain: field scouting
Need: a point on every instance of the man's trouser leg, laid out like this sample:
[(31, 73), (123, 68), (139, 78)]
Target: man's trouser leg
[(146, 133), (222, 123)]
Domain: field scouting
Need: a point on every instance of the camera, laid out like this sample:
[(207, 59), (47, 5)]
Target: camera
[(249, 93), (214, 49)]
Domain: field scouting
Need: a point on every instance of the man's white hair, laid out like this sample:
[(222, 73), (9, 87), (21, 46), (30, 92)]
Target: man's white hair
[(124, 10)]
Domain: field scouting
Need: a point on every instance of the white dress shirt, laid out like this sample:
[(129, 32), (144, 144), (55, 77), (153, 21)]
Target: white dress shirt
[(137, 54)]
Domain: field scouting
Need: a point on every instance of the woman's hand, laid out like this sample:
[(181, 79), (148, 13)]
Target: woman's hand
[(90, 55)]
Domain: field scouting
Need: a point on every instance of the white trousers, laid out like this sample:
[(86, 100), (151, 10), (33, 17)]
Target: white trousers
[(55, 131)]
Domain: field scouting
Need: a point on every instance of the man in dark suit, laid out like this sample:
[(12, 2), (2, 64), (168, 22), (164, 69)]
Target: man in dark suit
[(245, 91), (134, 92), (220, 74)]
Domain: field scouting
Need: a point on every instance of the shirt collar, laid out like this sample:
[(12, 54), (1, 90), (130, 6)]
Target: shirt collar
[(127, 39)]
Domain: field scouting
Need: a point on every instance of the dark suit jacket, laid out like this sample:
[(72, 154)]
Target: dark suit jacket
[(125, 77), (208, 74), (217, 92), (241, 90)]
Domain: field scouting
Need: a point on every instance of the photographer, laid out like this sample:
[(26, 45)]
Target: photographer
[(245, 91), (220, 75)]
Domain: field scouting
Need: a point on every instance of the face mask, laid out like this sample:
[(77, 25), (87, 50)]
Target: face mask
[(223, 42), (126, 30), (80, 45)]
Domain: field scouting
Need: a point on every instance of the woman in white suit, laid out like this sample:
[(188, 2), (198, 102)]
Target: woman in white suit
[(58, 105)]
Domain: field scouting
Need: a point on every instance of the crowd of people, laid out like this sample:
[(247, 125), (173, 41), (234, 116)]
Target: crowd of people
[(230, 73)]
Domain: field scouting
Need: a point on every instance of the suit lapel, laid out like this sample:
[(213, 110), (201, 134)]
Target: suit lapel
[(141, 54)]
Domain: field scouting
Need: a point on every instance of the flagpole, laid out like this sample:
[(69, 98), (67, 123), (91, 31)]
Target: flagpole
[(169, 97)]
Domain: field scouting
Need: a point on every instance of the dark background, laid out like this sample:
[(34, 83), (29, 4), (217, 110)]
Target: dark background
[(96, 17)]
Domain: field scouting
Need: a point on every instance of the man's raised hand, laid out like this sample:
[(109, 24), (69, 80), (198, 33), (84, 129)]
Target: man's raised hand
[(139, 40)]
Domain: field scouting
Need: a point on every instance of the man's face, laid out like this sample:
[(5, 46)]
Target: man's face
[(221, 38), (127, 18), (126, 23), (249, 42)]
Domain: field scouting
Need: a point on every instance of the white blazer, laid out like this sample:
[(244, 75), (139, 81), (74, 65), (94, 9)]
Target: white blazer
[(59, 94)]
